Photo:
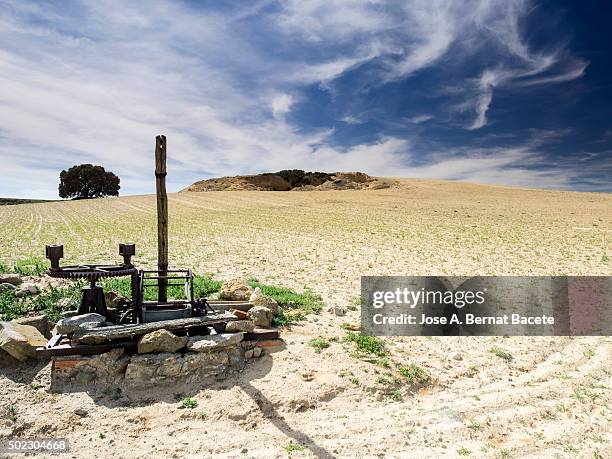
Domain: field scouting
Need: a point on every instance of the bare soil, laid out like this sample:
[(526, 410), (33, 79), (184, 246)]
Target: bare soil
[(552, 399)]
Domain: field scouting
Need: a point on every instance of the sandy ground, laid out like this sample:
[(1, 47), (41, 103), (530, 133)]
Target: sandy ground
[(552, 400)]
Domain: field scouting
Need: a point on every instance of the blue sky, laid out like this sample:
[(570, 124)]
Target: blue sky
[(504, 92)]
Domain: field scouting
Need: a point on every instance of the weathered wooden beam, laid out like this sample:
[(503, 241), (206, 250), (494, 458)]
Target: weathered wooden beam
[(120, 332), (162, 215)]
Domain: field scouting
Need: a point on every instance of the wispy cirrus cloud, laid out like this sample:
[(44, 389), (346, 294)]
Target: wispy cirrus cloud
[(84, 81), (418, 119)]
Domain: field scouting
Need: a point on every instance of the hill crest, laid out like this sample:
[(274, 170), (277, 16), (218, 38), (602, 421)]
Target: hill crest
[(293, 180)]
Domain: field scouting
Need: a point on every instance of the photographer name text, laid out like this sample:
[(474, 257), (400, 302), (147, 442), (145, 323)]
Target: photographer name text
[(468, 319)]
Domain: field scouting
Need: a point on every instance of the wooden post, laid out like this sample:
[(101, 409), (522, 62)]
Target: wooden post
[(162, 216)]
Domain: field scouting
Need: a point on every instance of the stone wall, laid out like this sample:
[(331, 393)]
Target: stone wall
[(115, 368)]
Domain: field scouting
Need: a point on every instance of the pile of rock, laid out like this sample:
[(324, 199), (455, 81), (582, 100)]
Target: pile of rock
[(259, 313)]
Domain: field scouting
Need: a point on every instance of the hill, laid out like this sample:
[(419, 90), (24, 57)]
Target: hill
[(293, 180), (15, 201)]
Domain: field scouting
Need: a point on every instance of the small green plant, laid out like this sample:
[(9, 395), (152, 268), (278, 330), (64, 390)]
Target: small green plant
[(102, 436), (463, 451), (569, 448), (367, 345), (561, 407), (35, 385), (501, 353), (354, 380), (31, 266), (598, 438), (473, 371), (45, 302), (385, 380), (189, 403), (474, 425), (504, 454), (397, 395), (293, 447), (413, 373), (589, 353), (319, 344), (308, 302), (285, 318)]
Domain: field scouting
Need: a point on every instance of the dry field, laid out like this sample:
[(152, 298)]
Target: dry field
[(552, 399)]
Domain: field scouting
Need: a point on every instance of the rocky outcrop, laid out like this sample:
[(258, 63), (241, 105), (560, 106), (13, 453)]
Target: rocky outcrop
[(235, 290), (20, 341), (297, 180), (161, 341)]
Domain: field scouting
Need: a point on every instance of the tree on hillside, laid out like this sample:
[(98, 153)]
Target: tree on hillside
[(87, 181)]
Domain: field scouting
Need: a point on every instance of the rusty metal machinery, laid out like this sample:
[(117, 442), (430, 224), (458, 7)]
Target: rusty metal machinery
[(92, 299), (151, 311)]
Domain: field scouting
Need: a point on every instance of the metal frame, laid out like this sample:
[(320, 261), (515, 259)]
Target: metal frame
[(170, 278)]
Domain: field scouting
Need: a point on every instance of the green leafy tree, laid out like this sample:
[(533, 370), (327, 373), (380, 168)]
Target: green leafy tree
[(87, 181)]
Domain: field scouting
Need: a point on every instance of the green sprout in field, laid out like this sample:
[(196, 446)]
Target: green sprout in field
[(367, 345), (319, 344), (293, 447), (414, 374), (189, 403), (501, 353)]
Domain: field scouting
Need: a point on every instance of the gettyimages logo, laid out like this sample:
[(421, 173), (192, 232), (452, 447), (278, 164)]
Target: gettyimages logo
[(505, 305), (412, 298)]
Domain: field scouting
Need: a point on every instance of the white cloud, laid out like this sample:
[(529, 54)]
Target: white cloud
[(488, 80), (502, 21), (418, 119), (352, 119), (281, 105), (95, 82)]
